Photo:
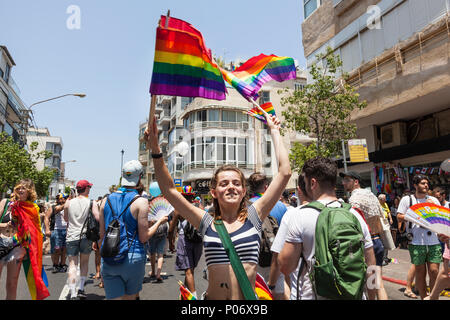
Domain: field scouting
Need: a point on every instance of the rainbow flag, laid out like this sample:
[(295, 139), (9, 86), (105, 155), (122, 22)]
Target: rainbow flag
[(256, 113), (261, 288), (183, 66), (29, 235), (185, 293), (250, 77)]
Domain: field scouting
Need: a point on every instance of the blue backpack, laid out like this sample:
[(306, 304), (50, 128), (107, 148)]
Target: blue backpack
[(115, 244)]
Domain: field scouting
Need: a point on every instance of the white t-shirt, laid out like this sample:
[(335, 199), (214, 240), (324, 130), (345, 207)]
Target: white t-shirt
[(78, 211), (420, 235), (301, 229), (278, 244)]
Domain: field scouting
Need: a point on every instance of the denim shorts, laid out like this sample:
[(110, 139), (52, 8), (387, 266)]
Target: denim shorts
[(125, 278), (378, 250), (156, 245), (76, 247), (58, 240)]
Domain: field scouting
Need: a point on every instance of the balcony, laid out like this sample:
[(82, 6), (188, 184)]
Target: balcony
[(220, 124), (164, 138), (215, 164)]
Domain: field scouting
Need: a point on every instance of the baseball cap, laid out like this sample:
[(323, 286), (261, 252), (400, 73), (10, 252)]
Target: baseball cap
[(351, 174), (83, 184), (131, 173)]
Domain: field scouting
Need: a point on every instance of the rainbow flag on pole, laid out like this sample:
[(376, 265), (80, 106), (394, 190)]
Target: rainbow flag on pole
[(256, 113), (250, 77), (183, 66)]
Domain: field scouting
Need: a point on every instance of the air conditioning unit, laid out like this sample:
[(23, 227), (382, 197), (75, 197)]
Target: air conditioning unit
[(393, 134), (245, 125)]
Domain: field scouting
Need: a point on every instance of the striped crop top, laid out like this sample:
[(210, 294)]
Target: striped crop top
[(246, 240)]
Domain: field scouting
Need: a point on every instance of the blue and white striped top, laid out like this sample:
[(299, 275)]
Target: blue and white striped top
[(246, 240)]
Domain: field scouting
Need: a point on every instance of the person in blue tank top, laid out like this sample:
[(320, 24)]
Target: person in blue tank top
[(123, 281)]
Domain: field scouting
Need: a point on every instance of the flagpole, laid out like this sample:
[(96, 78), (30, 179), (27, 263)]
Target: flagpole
[(259, 107)]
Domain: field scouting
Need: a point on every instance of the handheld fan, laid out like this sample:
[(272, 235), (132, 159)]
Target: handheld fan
[(159, 208), (430, 216)]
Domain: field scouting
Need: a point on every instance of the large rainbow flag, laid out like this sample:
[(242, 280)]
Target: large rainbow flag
[(26, 217), (250, 77), (183, 66)]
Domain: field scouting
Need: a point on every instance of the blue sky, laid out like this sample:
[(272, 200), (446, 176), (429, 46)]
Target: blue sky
[(110, 60)]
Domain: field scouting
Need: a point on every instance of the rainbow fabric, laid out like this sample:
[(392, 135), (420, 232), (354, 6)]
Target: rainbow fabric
[(256, 113), (183, 66), (430, 216), (261, 289), (250, 77), (29, 235), (185, 294)]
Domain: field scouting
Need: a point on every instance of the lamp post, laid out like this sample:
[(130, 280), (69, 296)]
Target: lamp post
[(28, 111), (121, 167)]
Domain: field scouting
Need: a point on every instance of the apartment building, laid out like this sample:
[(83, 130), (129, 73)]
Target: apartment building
[(199, 135), (45, 141), (13, 117), (397, 55)]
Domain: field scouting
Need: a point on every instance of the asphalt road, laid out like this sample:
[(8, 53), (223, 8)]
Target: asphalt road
[(169, 289)]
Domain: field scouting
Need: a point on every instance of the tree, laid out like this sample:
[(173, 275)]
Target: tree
[(323, 110), (16, 164)]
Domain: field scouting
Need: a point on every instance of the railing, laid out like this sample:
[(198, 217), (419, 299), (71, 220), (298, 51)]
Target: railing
[(215, 164), (220, 124)]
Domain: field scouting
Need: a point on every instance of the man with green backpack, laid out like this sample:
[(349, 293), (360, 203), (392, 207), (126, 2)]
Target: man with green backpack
[(331, 241)]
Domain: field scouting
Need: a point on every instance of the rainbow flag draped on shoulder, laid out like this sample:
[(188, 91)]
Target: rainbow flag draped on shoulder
[(250, 77), (26, 217), (183, 66)]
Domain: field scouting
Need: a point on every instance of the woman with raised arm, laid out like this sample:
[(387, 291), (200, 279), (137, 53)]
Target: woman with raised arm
[(230, 205)]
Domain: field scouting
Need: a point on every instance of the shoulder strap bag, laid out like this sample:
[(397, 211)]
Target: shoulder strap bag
[(236, 264)]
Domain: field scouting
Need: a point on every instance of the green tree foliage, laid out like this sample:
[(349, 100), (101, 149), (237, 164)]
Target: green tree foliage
[(322, 110), (16, 164)]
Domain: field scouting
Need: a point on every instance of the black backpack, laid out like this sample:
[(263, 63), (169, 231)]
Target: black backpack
[(269, 230), (115, 245), (92, 226), (191, 234)]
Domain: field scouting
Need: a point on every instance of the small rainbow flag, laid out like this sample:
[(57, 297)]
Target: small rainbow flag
[(261, 288), (250, 77), (183, 66), (256, 113), (185, 293)]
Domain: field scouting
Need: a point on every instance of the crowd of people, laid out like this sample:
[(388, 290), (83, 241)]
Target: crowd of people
[(253, 226)]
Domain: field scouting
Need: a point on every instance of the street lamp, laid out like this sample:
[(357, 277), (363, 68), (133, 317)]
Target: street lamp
[(80, 95)]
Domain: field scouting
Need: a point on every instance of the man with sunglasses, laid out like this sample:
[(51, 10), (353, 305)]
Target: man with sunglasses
[(76, 211), (424, 249)]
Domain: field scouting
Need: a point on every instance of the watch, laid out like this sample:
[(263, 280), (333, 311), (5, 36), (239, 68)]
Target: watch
[(157, 155)]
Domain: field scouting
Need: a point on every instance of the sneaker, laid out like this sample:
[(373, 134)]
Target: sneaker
[(55, 268), (63, 268), (81, 295)]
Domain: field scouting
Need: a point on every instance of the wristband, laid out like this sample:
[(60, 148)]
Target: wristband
[(157, 155)]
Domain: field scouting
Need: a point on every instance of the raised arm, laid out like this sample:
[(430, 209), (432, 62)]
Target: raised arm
[(182, 206), (273, 193)]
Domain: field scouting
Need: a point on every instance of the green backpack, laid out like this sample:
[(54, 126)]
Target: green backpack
[(340, 269)]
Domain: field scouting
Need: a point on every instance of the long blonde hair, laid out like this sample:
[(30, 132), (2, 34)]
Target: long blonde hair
[(28, 184), (243, 205)]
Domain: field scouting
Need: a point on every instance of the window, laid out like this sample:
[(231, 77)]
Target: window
[(201, 115), (1, 73), (242, 150), (298, 86), (228, 116), (7, 70), (221, 149), (192, 150), (264, 97), (310, 6), (213, 115), (210, 148)]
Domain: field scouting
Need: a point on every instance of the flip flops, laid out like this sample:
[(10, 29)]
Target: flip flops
[(410, 294)]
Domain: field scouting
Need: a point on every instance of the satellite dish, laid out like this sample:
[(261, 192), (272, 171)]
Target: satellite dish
[(445, 165)]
